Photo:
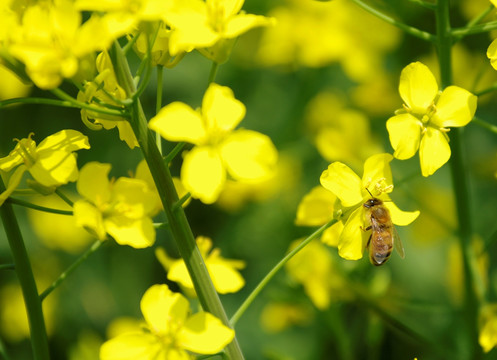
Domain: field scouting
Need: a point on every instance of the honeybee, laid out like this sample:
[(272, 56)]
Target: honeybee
[(383, 236)]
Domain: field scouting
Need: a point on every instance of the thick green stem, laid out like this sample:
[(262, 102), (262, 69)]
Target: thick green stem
[(460, 184), (176, 217), (39, 341)]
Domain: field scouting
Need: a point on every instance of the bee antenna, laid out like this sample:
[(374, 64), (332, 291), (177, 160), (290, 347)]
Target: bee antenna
[(369, 192)]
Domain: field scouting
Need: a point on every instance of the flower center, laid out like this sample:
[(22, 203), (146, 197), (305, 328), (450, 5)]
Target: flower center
[(215, 13), (26, 148)]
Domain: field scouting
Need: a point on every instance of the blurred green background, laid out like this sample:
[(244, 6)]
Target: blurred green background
[(323, 66)]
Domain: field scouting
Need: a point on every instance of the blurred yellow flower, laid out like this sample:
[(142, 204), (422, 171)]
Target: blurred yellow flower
[(278, 316), (244, 154), (104, 89), (120, 208), (352, 192), (488, 327), (87, 346), (424, 120), (223, 272), (63, 233), (11, 87), (169, 332), (51, 163)]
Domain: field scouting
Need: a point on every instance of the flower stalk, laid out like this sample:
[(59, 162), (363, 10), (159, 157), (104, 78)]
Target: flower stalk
[(177, 220)]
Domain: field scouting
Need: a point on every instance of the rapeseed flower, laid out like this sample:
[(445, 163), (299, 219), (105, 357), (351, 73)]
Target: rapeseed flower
[(52, 163), (352, 191), (244, 154), (488, 327), (169, 331), (224, 272), (425, 119), (120, 208)]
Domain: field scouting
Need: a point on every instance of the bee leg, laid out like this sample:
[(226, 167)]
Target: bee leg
[(369, 241), (366, 229)]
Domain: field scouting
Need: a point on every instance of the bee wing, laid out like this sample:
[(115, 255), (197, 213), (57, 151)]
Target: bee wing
[(397, 243)]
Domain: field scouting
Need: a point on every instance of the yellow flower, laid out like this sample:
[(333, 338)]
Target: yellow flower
[(199, 24), (104, 89), (244, 154), (170, 333), (488, 327), (121, 209), (12, 86), (278, 316), (423, 122), (224, 272), (352, 191), (52, 163)]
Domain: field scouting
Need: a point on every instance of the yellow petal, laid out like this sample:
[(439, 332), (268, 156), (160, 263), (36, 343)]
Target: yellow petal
[(131, 346), (179, 122), (455, 107), (230, 7), (14, 158), (134, 198), (14, 181), (343, 182), (249, 155), (137, 233), (220, 108), (434, 151), (93, 182), (179, 273), (377, 174), (90, 218), (351, 243), (203, 174), (65, 140), (242, 23), (492, 54), (205, 334), (163, 309), (331, 235), (53, 168), (417, 87), (404, 131), (225, 278), (316, 208), (399, 217)]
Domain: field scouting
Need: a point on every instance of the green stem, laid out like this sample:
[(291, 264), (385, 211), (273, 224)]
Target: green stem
[(178, 222), (96, 245), (460, 183), (269, 276), (44, 101), (7, 267), (39, 341), (3, 351), (493, 87), (213, 72), (476, 29), (158, 103), (38, 207), (64, 197), (485, 125), (408, 29), (175, 151)]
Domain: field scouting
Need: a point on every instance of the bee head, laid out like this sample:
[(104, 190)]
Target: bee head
[(372, 202)]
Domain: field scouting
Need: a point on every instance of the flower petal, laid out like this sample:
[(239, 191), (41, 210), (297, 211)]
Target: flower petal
[(418, 87), (54, 167), (222, 111), (434, 151), (455, 107), (404, 131), (242, 23), (377, 177), (138, 233), (343, 182), (399, 217), (161, 308), (178, 272), (93, 183), (224, 277), (492, 54), (249, 155), (14, 181), (203, 174), (179, 122), (316, 207), (131, 346), (65, 140), (351, 243), (331, 235), (90, 218), (203, 333)]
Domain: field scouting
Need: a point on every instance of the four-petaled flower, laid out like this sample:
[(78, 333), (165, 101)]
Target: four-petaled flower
[(121, 209), (423, 122), (170, 332), (353, 193), (224, 272), (246, 155), (51, 163)]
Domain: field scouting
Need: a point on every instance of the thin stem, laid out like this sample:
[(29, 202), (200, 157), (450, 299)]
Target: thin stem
[(485, 125), (269, 276), (38, 207), (178, 222), (131, 42), (96, 245), (425, 4), (44, 101), (407, 28), (493, 87), (181, 201), (158, 103), (460, 183), (64, 96), (3, 351), (459, 33), (175, 151), (213, 72), (7, 267), (39, 341), (64, 197)]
